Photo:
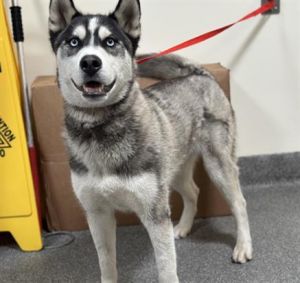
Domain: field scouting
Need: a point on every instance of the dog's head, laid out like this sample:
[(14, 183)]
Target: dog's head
[(95, 53)]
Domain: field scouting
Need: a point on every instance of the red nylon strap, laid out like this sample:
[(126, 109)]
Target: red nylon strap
[(264, 8)]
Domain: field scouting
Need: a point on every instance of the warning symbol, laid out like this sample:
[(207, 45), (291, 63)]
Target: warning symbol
[(6, 137), (3, 144)]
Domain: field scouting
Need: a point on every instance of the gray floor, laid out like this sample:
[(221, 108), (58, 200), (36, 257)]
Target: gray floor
[(204, 256)]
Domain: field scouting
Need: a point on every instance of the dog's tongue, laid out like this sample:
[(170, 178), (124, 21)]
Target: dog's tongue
[(93, 88)]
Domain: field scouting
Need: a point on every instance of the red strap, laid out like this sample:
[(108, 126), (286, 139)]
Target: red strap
[(264, 8)]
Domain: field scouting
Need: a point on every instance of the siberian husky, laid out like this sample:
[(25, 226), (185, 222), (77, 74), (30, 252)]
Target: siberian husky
[(128, 147)]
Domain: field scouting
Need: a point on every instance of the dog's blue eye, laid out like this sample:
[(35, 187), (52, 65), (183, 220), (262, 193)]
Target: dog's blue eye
[(110, 42), (74, 42)]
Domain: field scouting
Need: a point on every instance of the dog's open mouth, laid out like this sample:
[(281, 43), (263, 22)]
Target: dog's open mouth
[(94, 89)]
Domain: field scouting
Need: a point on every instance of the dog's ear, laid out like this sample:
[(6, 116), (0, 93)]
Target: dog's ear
[(128, 16), (61, 13)]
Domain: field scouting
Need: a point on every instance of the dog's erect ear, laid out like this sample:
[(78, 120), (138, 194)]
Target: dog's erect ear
[(128, 15), (61, 13)]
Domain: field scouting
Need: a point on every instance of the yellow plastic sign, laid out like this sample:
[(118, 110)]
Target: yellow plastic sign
[(18, 211)]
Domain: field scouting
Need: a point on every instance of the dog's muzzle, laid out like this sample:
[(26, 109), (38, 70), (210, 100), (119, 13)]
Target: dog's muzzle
[(94, 89)]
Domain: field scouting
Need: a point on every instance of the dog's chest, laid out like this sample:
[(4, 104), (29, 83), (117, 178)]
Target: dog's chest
[(120, 193), (103, 147), (117, 147)]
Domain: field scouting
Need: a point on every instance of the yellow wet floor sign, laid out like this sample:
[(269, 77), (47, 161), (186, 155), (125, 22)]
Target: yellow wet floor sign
[(18, 210)]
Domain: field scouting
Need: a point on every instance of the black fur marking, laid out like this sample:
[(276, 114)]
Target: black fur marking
[(110, 136), (117, 50), (109, 133), (144, 160), (77, 166), (76, 130), (134, 40), (54, 35), (61, 38), (117, 32), (124, 99), (160, 214), (208, 116)]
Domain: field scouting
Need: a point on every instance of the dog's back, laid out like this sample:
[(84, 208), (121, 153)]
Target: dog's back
[(190, 97)]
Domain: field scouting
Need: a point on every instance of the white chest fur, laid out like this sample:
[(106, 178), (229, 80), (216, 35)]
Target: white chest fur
[(122, 193)]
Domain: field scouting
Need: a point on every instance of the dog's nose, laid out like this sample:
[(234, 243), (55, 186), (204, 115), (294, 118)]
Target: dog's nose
[(90, 64)]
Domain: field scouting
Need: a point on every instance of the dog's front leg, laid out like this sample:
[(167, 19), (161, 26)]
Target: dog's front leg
[(102, 225), (101, 221), (160, 229)]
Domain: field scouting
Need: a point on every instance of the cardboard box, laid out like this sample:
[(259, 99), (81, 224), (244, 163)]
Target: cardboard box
[(62, 209)]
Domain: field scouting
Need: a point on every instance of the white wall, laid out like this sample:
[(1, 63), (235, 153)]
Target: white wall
[(263, 55)]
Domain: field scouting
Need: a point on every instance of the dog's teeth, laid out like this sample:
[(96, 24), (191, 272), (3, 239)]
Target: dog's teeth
[(94, 89)]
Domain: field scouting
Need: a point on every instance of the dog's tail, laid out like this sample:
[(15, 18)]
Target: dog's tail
[(168, 67)]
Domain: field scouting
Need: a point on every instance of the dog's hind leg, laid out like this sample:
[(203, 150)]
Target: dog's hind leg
[(185, 185), (217, 148)]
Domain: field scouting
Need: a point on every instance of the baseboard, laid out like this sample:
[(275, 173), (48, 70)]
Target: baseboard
[(266, 169)]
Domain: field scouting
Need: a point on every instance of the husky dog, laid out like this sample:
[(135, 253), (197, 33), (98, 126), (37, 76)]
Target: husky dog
[(128, 147)]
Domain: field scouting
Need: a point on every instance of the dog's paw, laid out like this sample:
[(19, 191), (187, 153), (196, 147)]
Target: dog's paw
[(181, 231), (108, 280), (242, 252)]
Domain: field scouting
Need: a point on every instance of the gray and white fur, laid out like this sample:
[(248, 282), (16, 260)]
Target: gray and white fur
[(128, 147)]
